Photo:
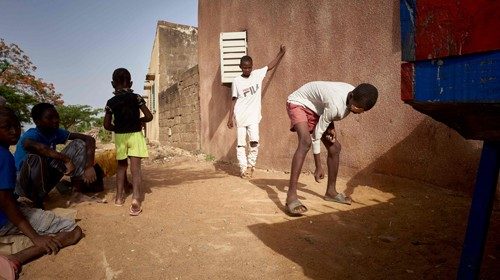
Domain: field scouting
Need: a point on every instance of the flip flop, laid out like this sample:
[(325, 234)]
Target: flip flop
[(119, 202), (9, 269), (134, 212), (293, 208), (339, 198)]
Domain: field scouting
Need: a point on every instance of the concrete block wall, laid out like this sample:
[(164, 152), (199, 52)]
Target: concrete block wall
[(174, 52), (179, 107)]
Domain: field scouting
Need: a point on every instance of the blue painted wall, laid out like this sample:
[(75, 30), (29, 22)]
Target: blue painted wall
[(407, 11), (471, 78)]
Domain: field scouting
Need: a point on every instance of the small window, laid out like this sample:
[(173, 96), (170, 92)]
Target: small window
[(233, 45)]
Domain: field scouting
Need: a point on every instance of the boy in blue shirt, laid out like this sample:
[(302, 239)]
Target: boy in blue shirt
[(48, 232), (40, 166)]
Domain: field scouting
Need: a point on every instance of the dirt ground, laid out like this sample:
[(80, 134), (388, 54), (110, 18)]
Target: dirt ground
[(200, 221)]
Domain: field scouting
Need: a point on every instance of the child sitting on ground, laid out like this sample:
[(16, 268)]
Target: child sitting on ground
[(123, 118), (48, 232), (40, 166)]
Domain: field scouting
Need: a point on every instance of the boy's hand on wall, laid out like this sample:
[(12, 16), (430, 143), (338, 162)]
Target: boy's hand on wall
[(230, 123), (282, 49)]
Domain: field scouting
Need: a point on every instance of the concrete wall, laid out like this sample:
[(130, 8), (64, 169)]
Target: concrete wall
[(179, 107), (174, 52), (152, 129), (350, 41)]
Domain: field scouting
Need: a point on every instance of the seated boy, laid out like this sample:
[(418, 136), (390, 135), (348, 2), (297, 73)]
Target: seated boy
[(40, 167), (312, 109), (48, 232)]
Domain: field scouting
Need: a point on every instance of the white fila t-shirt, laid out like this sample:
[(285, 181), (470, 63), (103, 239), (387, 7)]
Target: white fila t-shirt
[(248, 91)]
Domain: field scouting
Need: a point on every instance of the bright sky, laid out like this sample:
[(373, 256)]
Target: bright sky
[(77, 44)]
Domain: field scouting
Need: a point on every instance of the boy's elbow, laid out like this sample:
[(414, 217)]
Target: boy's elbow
[(90, 140), (108, 127)]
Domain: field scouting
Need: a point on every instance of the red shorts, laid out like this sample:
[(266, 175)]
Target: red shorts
[(299, 113)]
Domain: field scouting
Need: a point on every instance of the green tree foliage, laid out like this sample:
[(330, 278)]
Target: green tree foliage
[(19, 102), (79, 118)]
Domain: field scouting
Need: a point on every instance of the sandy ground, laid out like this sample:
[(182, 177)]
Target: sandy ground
[(202, 222)]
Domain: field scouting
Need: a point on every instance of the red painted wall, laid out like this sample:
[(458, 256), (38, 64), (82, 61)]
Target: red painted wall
[(448, 28)]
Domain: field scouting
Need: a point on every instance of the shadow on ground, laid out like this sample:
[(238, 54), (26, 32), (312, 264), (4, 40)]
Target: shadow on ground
[(417, 234), (411, 236), (273, 186)]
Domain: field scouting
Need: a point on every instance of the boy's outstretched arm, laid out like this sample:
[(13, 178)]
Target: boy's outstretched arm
[(278, 57), (89, 175), (8, 205), (147, 114)]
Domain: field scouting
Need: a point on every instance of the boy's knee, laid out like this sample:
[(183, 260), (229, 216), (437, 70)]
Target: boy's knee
[(254, 144), (335, 148), (78, 143), (305, 144), (33, 159)]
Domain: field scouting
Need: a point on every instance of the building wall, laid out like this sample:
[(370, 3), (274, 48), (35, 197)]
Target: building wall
[(174, 52), (152, 129), (350, 41), (179, 107)]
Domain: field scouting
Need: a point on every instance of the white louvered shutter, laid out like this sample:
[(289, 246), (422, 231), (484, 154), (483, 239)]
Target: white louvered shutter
[(233, 45)]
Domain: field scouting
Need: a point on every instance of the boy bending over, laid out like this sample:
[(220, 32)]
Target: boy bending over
[(312, 109)]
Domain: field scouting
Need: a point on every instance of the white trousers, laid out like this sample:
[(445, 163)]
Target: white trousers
[(252, 131)]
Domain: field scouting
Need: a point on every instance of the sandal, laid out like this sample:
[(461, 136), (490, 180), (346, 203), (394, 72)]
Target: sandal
[(293, 208), (339, 198), (119, 202), (134, 211)]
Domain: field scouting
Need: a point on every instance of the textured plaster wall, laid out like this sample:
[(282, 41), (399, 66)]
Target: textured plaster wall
[(178, 51), (179, 118), (174, 52), (350, 41)]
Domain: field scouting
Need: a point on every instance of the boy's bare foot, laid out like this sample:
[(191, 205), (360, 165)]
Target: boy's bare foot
[(135, 208)]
